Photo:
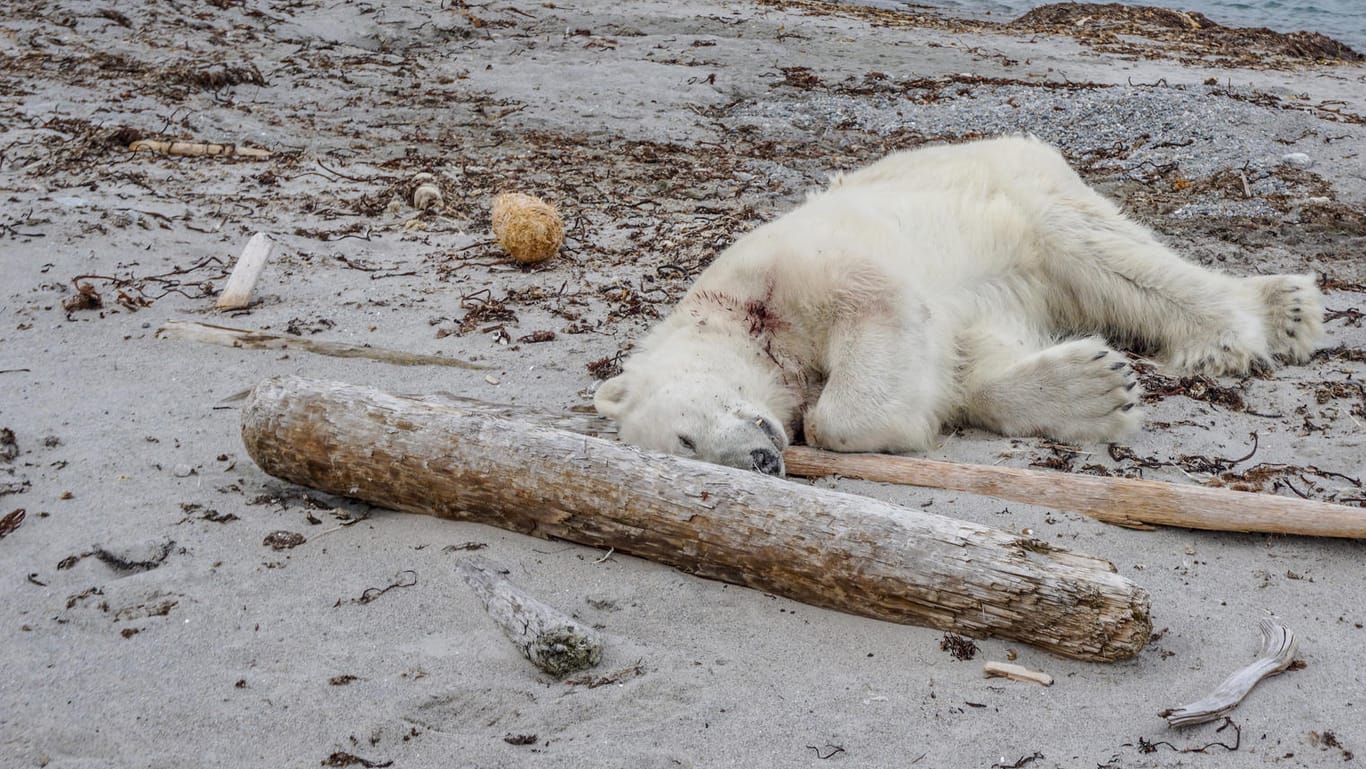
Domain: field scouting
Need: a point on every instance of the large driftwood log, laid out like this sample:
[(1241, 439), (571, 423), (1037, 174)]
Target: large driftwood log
[(1122, 501), (821, 547)]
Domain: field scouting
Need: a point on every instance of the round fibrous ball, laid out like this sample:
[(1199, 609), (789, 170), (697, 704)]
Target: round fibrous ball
[(528, 228)]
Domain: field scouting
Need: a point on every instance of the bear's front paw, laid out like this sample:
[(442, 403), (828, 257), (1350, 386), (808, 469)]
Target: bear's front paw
[(1075, 391), (833, 427), (1294, 315)]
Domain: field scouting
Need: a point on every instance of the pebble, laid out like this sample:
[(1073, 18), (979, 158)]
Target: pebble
[(183, 471), (1298, 160)]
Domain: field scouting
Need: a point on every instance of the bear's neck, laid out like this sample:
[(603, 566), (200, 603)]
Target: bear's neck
[(771, 341)]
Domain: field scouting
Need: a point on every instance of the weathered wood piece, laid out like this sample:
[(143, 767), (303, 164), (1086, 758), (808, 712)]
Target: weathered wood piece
[(1123, 501), (237, 293), (821, 547), (225, 336), (197, 149), (549, 638), (1278, 651), (1016, 673)]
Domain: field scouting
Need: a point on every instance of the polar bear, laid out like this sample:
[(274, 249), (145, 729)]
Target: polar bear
[(971, 284)]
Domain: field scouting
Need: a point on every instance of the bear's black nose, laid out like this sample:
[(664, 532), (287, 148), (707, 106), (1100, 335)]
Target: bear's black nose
[(767, 461)]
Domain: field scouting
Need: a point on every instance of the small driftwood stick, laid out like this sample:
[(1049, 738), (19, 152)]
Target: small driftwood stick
[(544, 635), (197, 149), (1121, 501), (821, 547), (237, 293), (1016, 673), (208, 333), (1278, 651)]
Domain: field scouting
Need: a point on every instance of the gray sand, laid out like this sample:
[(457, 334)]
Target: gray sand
[(661, 130)]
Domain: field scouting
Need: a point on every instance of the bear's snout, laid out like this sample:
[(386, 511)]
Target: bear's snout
[(767, 461)]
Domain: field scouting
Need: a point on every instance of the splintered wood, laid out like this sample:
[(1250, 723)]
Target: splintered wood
[(1016, 673), (821, 547)]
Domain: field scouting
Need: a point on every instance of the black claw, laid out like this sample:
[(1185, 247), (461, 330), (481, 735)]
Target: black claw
[(1126, 407), (1101, 354), (1130, 386), (1117, 366)]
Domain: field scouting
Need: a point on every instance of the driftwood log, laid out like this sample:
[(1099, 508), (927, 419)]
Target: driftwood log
[(1121, 501), (821, 547), (547, 637)]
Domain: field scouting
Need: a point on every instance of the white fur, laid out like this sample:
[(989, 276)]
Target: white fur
[(974, 283)]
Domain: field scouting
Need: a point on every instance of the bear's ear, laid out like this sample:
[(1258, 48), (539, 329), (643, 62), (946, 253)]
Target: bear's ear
[(610, 399)]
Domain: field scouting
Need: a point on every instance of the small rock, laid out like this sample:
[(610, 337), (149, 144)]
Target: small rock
[(1297, 160), (283, 540), (183, 471)]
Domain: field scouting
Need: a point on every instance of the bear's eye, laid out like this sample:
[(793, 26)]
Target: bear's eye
[(687, 443), (769, 430)]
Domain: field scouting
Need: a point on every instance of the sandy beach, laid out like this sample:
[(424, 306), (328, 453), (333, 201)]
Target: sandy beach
[(153, 617)]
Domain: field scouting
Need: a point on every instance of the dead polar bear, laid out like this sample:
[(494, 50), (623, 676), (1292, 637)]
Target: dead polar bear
[(973, 283)]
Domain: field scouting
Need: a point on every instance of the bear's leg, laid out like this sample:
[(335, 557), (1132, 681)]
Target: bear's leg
[(1080, 390), (1109, 275), (887, 388)]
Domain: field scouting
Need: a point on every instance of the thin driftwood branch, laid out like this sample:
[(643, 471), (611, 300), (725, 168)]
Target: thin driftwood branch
[(1122, 501), (822, 547), (1278, 651), (550, 639), (225, 336)]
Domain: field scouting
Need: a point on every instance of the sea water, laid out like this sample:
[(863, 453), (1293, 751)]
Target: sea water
[(1342, 20)]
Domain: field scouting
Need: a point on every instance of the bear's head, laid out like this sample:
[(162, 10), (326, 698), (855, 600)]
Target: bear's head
[(713, 408)]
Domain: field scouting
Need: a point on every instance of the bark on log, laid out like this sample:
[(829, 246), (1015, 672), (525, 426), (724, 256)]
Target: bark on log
[(547, 637), (825, 548), (1121, 501)]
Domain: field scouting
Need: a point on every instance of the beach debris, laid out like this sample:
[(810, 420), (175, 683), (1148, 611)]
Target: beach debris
[(888, 562), (1277, 653), (1127, 502), (225, 336), (283, 540), (343, 759), (85, 298), (12, 520), (961, 648), (9, 445), (547, 637), (134, 557), (1297, 160), (198, 149), (615, 677), (1016, 673), (426, 194), (528, 228), (237, 293)]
